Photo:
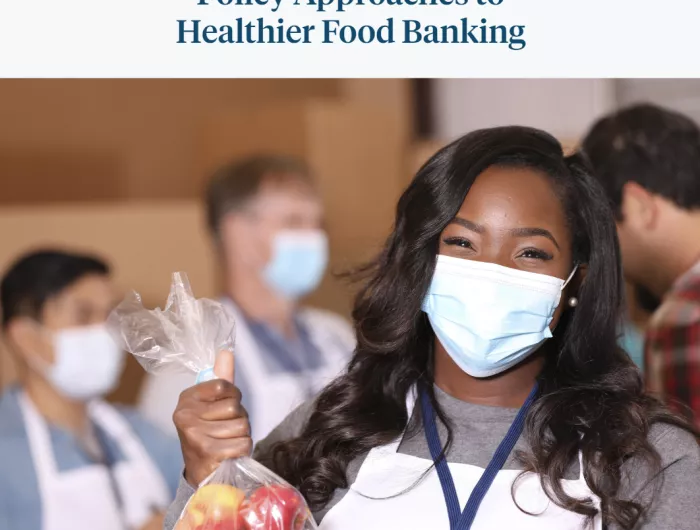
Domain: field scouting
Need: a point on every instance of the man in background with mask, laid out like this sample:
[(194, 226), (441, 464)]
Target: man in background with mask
[(648, 160), (266, 218), (68, 460)]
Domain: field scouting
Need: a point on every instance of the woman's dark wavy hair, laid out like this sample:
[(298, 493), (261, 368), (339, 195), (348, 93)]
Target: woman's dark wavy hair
[(591, 396)]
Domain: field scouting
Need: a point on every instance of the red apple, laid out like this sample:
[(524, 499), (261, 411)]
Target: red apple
[(215, 507), (275, 507)]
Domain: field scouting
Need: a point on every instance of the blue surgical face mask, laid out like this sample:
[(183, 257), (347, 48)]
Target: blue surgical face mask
[(299, 259), (632, 341), (489, 317)]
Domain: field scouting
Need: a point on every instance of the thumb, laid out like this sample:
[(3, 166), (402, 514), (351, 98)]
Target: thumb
[(224, 366)]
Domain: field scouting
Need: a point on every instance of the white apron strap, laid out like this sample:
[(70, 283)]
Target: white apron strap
[(334, 353), (141, 484)]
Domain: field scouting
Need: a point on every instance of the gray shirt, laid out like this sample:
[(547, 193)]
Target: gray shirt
[(479, 429)]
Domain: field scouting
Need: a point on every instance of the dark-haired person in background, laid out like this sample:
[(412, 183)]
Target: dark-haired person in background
[(487, 347), (648, 160), (266, 218), (68, 460)]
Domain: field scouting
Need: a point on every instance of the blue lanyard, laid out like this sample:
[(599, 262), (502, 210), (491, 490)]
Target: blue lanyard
[(463, 520)]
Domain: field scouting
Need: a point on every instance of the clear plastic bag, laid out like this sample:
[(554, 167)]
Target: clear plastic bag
[(241, 494), (244, 495), (185, 335)]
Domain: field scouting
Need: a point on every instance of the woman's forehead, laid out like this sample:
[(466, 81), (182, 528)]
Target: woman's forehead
[(515, 196)]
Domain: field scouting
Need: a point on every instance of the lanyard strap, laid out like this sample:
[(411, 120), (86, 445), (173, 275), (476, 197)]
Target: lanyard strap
[(463, 520)]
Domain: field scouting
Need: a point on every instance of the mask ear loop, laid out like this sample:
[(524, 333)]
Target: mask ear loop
[(573, 301), (36, 361), (570, 276)]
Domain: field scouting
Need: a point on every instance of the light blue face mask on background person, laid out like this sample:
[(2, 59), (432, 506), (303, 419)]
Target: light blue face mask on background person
[(299, 259), (489, 317), (632, 341)]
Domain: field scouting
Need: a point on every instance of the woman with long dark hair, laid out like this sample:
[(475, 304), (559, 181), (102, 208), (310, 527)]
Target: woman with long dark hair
[(487, 390)]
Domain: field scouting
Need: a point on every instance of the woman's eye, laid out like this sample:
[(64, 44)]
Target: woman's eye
[(458, 242), (533, 253)]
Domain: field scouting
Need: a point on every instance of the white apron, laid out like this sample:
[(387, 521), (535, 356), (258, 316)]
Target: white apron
[(83, 498), (283, 392), (386, 472)]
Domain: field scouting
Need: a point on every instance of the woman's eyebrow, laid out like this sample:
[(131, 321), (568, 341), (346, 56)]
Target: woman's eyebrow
[(529, 232), (479, 229)]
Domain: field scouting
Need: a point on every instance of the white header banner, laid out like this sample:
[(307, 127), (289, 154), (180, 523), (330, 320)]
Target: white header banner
[(349, 38)]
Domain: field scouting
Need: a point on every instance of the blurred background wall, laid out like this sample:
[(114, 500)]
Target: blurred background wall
[(117, 167), (563, 107)]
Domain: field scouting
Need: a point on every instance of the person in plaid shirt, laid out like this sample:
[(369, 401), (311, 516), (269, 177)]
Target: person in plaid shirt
[(648, 160)]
